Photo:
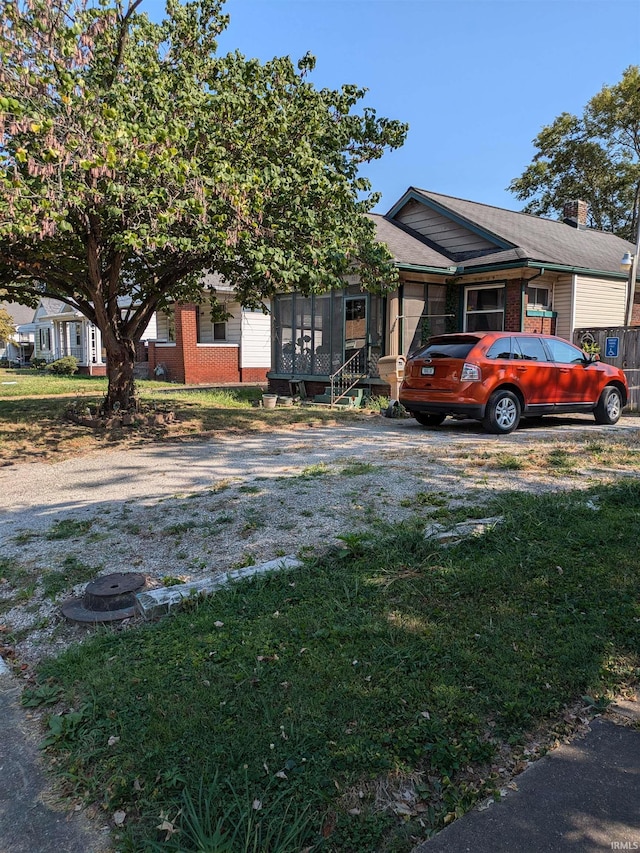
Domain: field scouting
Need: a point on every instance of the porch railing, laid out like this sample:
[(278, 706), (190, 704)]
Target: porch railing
[(348, 375)]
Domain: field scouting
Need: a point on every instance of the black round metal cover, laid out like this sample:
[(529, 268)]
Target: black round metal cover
[(106, 599)]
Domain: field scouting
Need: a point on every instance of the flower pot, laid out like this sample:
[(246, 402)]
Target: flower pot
[(269, 400)]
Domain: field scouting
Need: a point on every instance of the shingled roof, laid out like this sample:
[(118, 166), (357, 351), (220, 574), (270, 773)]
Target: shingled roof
[(20, 314), (406, 245), (532, 238)]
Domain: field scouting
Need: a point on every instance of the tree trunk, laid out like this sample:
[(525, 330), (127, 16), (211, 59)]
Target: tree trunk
[(121, 393)]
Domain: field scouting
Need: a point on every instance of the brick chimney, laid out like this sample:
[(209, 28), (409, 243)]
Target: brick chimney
[(575, 213)]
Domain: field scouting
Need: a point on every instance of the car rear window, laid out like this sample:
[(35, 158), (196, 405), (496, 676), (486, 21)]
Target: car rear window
[(447, 348)]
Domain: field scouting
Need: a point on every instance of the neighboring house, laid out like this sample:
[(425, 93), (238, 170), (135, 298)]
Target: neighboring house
[(19, 348), (190, 348), (60, 330), (462, 266)]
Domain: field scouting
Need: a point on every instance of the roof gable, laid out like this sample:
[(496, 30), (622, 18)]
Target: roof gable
[(452, 233), (48, 307)]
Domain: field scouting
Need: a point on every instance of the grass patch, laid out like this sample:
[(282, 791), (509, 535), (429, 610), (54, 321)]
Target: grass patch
[(68, 528), (561, 460), (320, 469), (25, 582), (356, 469), (72, 572), (389, 664), (507, 462), (179, 528), (425, 499), (12, 572)]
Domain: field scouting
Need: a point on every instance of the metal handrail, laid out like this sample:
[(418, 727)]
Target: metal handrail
[(345, 378)]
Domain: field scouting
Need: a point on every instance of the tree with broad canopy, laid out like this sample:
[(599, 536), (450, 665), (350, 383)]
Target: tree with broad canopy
[(594, 157), (134, 157)]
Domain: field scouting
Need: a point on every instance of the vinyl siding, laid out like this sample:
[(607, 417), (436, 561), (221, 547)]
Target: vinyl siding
[(453, 238), (599, 302), (256, 339), (414, 308), (234, 323), (563, 306)]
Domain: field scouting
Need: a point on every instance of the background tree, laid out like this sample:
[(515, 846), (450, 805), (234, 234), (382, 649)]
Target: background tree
[(7, 326), (595, 157), (133, 158)]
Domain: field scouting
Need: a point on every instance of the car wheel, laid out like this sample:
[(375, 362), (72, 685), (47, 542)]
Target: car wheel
[(609, 406), (428, 420), (502, 414)]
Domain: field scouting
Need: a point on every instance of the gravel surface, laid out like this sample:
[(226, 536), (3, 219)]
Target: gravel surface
[(190, 508)]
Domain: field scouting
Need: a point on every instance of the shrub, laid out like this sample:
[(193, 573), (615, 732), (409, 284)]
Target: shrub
[(38, 363), (66, 366)]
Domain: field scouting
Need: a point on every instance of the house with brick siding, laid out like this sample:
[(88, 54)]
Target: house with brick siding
[(462, 266), (191, 348)]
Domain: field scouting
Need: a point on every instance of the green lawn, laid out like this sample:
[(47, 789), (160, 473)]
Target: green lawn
[(292, 712), (26, 382)]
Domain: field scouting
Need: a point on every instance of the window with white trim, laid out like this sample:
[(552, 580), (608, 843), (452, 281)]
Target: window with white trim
[(209, 332), (44, 336), (539, 298), (166, 326)]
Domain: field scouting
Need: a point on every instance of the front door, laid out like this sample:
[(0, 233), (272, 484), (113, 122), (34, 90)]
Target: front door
[(355, 330)]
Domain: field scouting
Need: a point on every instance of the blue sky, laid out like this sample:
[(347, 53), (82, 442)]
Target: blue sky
[(476, 80)]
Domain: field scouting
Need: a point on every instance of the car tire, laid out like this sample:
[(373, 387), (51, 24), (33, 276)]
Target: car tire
[(502, 414), (609, 406), (425, 419)]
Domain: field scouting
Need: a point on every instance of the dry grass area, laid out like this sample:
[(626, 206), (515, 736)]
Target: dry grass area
[(34, 429), (578, 455)]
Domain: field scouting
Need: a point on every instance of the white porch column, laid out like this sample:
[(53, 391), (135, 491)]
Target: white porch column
[(98, 344)]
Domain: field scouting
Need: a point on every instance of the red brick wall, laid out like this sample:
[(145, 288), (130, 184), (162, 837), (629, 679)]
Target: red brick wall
[(513, 307), (93, 370), (203, 363), (207, 363), (540, 325), (254, 374), (168, 355)]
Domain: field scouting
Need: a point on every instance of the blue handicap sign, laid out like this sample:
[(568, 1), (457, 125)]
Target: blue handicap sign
[(611, 347)]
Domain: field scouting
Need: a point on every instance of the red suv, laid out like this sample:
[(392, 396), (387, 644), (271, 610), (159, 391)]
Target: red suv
[(498, 377)]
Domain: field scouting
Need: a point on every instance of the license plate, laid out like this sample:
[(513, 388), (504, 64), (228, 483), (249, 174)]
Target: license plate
[(428, 371)]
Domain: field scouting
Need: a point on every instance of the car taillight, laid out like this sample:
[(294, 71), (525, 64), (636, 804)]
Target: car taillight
[(470, 373)]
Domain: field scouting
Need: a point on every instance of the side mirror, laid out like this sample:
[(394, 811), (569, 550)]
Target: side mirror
[(590, 357)]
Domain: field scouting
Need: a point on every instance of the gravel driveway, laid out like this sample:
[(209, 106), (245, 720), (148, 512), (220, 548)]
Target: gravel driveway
[(190, 508)]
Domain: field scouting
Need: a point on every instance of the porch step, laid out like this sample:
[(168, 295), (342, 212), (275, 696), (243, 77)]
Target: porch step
[(343, 401), (355, 393), (353, 397)]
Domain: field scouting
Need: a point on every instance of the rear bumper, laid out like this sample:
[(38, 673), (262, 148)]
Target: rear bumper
[(467, 410)]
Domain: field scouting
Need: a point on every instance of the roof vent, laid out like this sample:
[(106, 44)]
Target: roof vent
[(575, 213)]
